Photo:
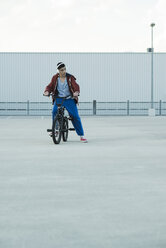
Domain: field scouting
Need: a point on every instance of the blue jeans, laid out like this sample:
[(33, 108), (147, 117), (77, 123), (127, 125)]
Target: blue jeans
[(71, 107)]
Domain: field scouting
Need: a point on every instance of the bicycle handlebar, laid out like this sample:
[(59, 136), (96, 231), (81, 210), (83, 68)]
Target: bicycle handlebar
[(48, 95), (65, 97)]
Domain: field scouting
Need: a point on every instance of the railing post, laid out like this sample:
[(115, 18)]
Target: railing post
[(27, 107), (128, 107), (94, 107), (160, 107)]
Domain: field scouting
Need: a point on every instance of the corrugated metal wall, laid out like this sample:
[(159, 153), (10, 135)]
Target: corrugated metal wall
[(102, 76)]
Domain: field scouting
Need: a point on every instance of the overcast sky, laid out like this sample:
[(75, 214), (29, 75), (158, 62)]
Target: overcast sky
[(81, 25)]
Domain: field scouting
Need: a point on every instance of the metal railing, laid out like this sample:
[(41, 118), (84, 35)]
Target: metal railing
[(127, 108)]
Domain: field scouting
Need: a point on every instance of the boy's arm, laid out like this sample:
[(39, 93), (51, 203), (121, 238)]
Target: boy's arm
[(50, 87), (75, 86)]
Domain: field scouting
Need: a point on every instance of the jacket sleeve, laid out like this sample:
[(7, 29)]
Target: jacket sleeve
[(50, 86), (74, 85)]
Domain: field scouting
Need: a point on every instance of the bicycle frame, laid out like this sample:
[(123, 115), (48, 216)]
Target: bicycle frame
[(61, 109)]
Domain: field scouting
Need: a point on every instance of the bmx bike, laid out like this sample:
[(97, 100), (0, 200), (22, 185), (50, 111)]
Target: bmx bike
[(60, 125)]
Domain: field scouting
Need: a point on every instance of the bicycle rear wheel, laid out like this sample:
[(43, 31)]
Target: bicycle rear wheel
[(56, 130), (65, 129)]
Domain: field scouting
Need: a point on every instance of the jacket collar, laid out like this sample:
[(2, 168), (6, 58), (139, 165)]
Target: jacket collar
[(67, 75)]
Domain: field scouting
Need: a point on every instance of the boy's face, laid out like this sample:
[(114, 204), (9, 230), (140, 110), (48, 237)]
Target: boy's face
[(62, 72)]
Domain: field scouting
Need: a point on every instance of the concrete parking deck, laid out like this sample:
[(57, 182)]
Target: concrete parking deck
[(108, 193)]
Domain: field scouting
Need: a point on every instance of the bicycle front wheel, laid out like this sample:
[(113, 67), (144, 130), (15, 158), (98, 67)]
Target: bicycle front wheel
[(56, 130)]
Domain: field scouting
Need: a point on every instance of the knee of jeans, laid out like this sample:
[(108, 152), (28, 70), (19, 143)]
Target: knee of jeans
[(54, 111)]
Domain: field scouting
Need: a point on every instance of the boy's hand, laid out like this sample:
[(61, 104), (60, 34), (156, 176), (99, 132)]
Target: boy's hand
[(46, 93), (76, 94)]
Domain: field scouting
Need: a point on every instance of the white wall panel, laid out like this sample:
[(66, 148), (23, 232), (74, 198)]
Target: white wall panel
[(102, 76)]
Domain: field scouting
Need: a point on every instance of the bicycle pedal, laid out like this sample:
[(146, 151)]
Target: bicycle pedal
[(49, 130), (71, 129)]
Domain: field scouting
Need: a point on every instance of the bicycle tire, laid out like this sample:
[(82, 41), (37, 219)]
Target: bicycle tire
[(56, 130), (65, 129)]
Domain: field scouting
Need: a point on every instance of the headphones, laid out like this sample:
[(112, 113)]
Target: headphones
[(58, 69)]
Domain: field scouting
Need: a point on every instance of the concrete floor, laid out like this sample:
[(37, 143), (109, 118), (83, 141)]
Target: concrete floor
[(108, 193)]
